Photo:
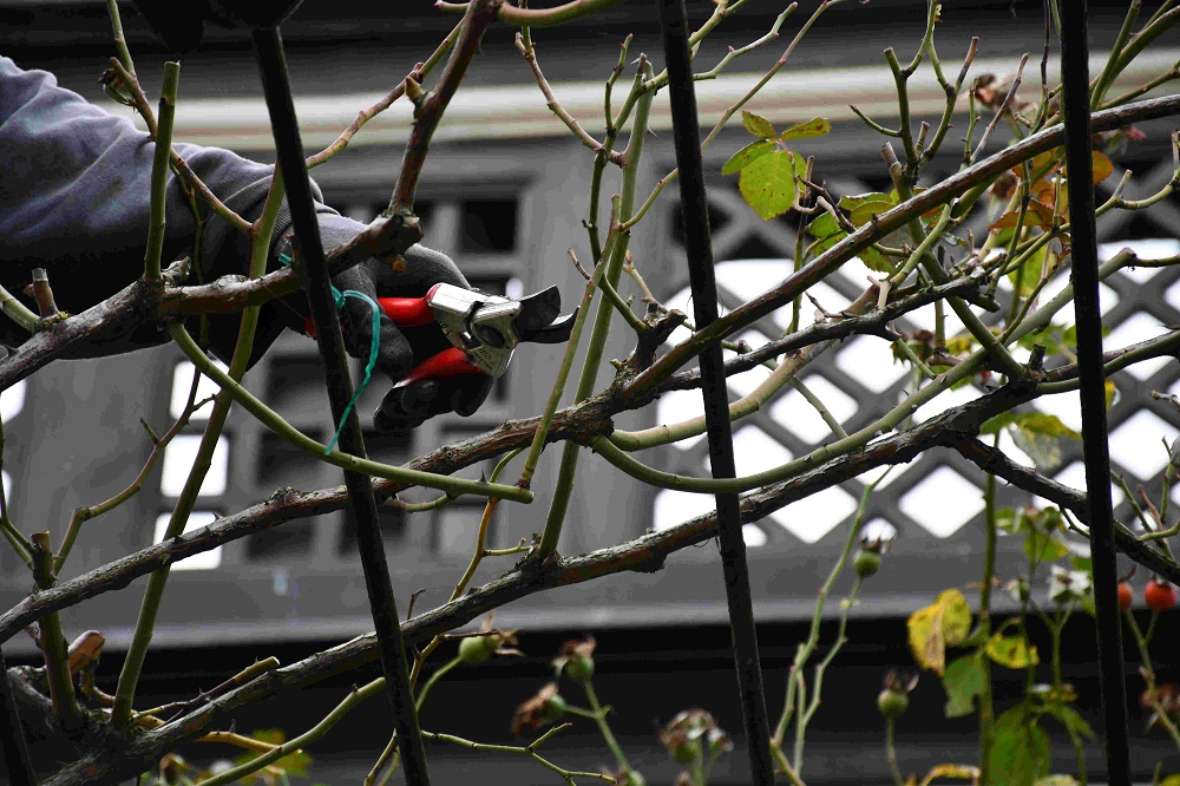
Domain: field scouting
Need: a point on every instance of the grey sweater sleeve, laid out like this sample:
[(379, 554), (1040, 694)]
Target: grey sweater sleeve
[(74, 198)]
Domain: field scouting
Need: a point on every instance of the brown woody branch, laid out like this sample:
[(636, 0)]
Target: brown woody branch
[(991, 460), (955, 428), (140, 101), (875, 323), (115, 317), (529, 53), (536, 17), (430, 108), (972, 177), (140, 303), (107, 764), (579, 423), (386, 236)]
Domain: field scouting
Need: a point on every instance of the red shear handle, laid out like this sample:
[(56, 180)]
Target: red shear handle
[(408, 311), (402, 311), (448, 363)]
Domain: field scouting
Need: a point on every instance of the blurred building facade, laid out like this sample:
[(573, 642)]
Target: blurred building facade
[(504, 193)]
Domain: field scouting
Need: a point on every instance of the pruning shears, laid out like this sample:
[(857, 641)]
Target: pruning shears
[(483, 329)]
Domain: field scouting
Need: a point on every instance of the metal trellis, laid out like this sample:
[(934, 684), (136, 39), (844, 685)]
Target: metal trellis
[(272, 64), (1078, 152), (695, 212)]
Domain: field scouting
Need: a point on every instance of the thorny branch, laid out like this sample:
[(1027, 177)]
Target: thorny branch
[(637, 384)]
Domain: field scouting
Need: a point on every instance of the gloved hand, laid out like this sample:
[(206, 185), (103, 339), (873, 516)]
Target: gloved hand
[(402, 348)]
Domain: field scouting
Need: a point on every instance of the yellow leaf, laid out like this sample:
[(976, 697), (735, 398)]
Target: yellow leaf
[(926, 641), (818, 126), (1103, 166), (1038, 214), (1013, 652), (946, 622), (758, 126), (956, 620), (962, 772)]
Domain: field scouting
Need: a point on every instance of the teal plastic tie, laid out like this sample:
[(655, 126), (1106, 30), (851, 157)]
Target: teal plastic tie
[(374, 347), (338, 298)]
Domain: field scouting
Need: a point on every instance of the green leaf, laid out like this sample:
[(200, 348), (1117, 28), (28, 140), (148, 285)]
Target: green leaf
[(1010, 520), (758, 126), (862, 207), (817, 126), (1042, 547), (295, 763), (1038, 434), (1046, 424), (931, 629), (1071, 719), (875, 260), (768, 183), (824, 226), (1044, 450), (964, 679), (1020, 749), (1013, 652), (741, 158), (1033, 422), (1026, 277), (1171, 780)]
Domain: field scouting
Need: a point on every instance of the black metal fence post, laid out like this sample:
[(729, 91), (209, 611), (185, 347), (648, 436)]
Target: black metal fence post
[(699, 250), (1075, 77), (269, 47)]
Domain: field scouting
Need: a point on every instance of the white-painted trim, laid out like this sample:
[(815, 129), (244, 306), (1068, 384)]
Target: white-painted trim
[(518, 111)]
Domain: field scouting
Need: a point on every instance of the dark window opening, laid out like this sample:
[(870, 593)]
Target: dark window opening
[(296, 381), (488, 225), (754, 247)]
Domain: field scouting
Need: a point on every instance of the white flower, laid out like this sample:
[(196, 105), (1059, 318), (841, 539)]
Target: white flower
[(1066, 585)]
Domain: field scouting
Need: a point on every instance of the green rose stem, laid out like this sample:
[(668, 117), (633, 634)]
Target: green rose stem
[(602, 319), (529, 750), (243, 347), (858, 439), (160, 167), (972, 182), (53, 642), (85, 513), (891, 754), (987, 716), (1141, 642), (608, 736), (275, 422), (795, 681)]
